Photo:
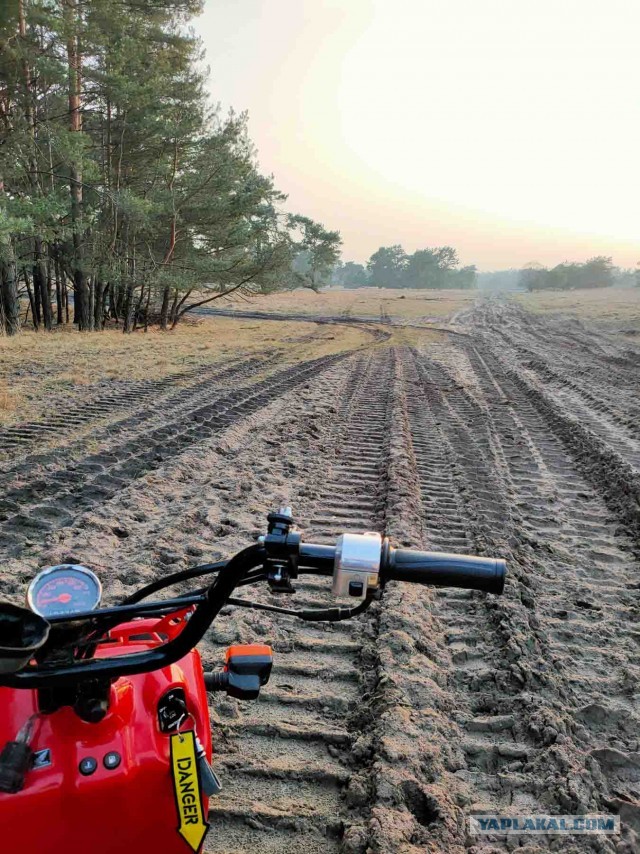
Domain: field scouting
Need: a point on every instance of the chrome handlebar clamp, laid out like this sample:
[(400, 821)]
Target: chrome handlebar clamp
[(356, 570)]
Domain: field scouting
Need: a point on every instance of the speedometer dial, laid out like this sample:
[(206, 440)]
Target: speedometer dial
[(64, 589)]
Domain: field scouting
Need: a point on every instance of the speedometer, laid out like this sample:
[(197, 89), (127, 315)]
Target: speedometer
[(64, 589)]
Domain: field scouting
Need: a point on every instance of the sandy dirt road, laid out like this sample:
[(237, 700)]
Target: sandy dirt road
[(518, 438)]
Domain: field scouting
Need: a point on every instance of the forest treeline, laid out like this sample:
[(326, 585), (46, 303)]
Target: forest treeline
[(391, 267), (125, 194), (597, 272)]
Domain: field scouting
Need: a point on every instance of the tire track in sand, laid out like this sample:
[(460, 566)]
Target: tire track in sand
[(562, 653), (127, 396), (290, 757), (31, 507)]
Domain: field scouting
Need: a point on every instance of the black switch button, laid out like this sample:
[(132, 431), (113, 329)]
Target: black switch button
[(88, 766), (356, 588), (112, 760)]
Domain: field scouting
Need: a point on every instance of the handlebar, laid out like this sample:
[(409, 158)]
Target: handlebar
[(435, 569), (357, 570), (447, 570)]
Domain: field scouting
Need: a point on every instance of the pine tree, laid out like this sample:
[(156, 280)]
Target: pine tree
[(121, 182)]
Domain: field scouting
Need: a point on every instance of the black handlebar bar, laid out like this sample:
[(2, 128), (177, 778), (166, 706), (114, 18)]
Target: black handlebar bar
[(447, 570), (436, 569)]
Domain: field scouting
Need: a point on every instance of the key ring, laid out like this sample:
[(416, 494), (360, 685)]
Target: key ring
[(185, 717)]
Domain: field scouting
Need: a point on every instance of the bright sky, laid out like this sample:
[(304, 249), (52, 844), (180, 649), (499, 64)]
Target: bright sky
[(509, 129)]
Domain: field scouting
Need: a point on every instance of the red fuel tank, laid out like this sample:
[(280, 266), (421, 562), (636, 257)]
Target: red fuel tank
[(121, 786)]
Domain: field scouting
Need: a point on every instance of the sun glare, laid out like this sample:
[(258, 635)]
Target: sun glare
[(512, 127)]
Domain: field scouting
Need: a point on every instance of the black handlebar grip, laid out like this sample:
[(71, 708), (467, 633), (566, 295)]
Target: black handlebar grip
[(447, 570)]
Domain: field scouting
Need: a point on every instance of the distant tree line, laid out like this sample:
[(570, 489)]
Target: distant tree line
[(597, 272), (391, 267), (125, 195)]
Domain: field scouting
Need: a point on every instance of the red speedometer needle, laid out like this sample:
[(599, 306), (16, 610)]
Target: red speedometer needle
[(63, 597)]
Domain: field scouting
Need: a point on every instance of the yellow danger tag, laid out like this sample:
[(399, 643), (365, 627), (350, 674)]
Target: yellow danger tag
[(184, 766)]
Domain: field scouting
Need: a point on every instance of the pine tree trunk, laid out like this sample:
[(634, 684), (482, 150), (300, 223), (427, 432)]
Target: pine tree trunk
[(113, 303), (59, 294), (164, 311), (92, 304), (103, 310), (81, 298), (98, 316), (37, 296), (9, 296), (174, 310), (146, 309), (40, 285), (40, 282), (35, 311), (138, 312), (128, 309), (49, 267), (119, 301)]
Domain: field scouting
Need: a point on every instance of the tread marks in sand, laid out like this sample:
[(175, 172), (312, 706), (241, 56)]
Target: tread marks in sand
[(31, 508), (300, 793), (592, 377), (546, 675), (124, 396)]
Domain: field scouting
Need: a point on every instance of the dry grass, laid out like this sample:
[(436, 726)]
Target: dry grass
[(39, 371), (410, 336), (613, 306), (9, 401), (361, 302)]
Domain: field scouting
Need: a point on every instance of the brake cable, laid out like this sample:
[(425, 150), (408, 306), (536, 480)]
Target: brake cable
[(330, 615)]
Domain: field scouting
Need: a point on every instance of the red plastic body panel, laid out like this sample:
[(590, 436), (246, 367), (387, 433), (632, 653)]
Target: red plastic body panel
[(128, 810)]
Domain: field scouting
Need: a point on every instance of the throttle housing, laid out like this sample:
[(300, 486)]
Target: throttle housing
[(356, 569)]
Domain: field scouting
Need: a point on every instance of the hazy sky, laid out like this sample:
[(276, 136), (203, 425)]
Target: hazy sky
[(509, 129)]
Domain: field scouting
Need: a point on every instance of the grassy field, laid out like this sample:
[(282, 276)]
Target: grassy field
[(38, 370), (376, 303), (611, 306)]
